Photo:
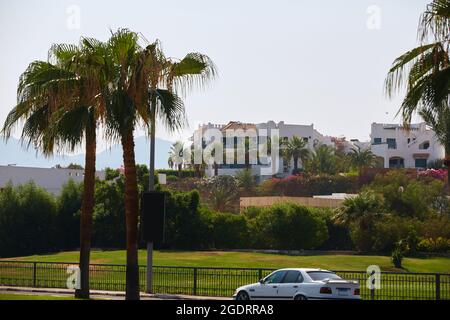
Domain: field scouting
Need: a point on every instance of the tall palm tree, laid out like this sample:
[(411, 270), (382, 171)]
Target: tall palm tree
[(296, 148), (425, 70), (60, 102), (361, 159), (162, 74), (134, 102)]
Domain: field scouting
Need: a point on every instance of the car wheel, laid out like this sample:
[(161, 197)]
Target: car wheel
[(242, 295), (300, 297)]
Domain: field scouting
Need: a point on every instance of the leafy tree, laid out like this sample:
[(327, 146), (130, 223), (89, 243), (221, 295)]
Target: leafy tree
[(407, 196)]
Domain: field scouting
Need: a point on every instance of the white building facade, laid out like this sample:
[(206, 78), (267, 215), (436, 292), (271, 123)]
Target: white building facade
[(284, 131), (50, 179), (399, 147)]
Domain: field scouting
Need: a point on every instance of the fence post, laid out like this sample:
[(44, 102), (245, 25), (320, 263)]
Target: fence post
[(438, 286), (372, 294), (195, 282), (260, 274), (34, 274)]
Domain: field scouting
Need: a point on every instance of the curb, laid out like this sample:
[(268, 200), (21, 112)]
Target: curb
[(162, 296)]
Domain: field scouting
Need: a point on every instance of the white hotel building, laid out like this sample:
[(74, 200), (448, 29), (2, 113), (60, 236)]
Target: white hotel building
[(398, 147), (393, 144), (285, 132)]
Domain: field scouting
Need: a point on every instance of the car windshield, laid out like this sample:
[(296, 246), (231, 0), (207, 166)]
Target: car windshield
[(322, 275)]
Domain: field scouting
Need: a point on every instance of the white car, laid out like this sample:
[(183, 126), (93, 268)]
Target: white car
[(300, 284)]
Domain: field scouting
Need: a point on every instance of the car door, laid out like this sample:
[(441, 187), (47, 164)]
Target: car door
[(268, 288), (290, 285)]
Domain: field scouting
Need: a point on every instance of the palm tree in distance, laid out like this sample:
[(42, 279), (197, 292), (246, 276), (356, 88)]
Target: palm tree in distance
[(361, 159), (322, 160), (425, 72), (296, 148), (177, 154), (60, 102)]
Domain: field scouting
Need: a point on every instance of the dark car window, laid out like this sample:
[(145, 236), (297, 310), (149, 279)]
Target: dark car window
[(275, 277), (293, 277), (322, 275)]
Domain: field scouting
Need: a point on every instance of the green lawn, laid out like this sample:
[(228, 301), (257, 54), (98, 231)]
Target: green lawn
[(32, 297), (252, 260)]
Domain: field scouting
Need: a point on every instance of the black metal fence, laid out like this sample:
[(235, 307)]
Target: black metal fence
[(205, 281)]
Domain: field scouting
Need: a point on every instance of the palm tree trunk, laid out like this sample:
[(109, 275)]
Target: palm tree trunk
[(295, 164), (131, 217), (86, 213), (447, 164), (151, 185)]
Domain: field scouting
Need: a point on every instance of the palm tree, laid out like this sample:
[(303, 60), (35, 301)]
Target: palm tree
[(322, 160), (296, 148), (177, 154), (168, 76), (361, 159), (60, 102), (361, 211), (134, 101), (425, 71)]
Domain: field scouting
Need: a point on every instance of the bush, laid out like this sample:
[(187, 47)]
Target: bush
[(434, 245), (407, 196), (68, 215), (286, 226), (186, 228), (109, 214), (228, 231), (175, 173), (307, 186), (27, 220)]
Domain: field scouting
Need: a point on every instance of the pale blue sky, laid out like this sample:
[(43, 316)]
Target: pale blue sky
[(298, 61)]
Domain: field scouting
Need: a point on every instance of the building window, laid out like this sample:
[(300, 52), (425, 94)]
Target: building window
[(396, 162), (424, 145), (376, 140), (392, 143), (421, 163)]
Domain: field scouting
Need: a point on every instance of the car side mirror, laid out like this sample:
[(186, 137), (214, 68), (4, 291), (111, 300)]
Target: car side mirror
[(261, 281)]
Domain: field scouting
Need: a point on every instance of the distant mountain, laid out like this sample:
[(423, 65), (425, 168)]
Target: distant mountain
[(13, 152)]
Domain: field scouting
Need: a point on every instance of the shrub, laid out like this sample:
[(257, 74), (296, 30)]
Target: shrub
[(68, 215), (27, 220), (406, 195), (186, 228), (306, 186), (286, 226), (228, 231)]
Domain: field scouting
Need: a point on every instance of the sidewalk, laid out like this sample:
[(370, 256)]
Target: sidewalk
[(100, 294)]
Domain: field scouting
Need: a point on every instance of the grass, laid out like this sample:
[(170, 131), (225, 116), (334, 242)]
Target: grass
[(32, 297), (252, 260)]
